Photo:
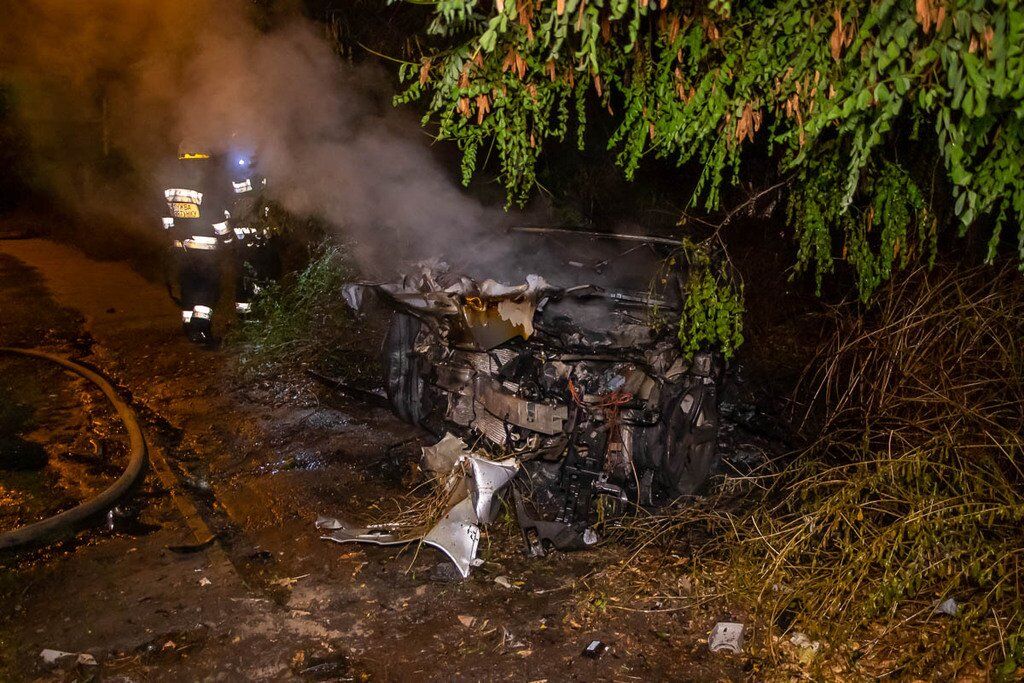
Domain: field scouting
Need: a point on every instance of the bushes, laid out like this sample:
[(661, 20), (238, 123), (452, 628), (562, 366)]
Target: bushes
[(912, 493), (303, 321), (841, 96)]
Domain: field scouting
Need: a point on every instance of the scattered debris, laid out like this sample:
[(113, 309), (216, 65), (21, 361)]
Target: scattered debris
[(323, 667), (808, 648), (442, 457), (205, 582), (509, 641), (949, 607), (173, 644), (726, 636), (446, 572), (188, 548), (595, 649), (328, 523), (55, 657), (288, 581), (504, 582), (475, 482), (801, 639), (372, 396), (260, 555), (467, 620)]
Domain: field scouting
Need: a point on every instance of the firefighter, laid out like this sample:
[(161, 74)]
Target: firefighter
[(256, 253), (198, 214)]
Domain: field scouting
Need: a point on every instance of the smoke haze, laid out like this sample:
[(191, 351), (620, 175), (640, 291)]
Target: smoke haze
[(120, 77)]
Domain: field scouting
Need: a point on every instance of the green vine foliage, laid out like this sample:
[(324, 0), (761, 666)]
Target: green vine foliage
[(826, 87), (712, 315)]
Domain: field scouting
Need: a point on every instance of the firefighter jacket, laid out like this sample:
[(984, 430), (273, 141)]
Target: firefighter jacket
[(249, 208), (198, 201)]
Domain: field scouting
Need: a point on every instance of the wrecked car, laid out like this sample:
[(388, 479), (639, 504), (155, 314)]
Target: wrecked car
[(585, 385)]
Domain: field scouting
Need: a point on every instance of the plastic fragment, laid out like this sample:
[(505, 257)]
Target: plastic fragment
[(51, 657), (949, 607), (726, 636)]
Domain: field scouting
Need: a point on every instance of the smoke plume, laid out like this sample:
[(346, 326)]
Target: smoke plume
[(127, 81)]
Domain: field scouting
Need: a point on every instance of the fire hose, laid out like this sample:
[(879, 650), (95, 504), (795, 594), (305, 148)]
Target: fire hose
[(68, 519)]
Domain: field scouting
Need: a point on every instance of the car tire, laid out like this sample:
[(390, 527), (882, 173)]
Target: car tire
[(402, 379), (690, 438)]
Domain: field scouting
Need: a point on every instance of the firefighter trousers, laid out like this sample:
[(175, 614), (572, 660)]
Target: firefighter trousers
[(199, 280)]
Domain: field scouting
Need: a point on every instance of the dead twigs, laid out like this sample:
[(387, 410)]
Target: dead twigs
[(911, 493)]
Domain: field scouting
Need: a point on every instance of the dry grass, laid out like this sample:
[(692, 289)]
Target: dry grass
[(912, 491)]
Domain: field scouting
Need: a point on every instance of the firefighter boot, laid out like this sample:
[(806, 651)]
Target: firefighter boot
[(199, 331)]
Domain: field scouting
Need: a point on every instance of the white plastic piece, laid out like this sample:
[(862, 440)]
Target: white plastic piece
[(726, 636), (54, 656), (802, 641), (949, 607)]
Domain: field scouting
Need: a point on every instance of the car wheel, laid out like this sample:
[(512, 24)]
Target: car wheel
[(402, 380)]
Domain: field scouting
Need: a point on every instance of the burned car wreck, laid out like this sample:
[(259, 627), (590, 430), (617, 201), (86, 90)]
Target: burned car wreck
[(585, 387)]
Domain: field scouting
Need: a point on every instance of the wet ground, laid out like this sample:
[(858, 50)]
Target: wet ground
[(253, 466)]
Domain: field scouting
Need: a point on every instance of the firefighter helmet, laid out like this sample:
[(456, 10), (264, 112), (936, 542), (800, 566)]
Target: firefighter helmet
[(189, 150)]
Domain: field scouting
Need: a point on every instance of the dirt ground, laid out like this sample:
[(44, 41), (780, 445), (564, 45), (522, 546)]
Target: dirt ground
[(267, 599)]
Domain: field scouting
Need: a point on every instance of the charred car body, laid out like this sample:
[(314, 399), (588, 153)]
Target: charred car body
[(586, 386)]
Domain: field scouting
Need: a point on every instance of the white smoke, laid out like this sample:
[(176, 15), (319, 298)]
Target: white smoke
[(332, 145), (324, 131)]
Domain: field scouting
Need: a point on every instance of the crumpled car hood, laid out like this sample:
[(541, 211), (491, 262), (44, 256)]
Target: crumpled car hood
[(487, 314)]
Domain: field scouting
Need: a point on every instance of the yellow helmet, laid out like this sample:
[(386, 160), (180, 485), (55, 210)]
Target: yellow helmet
[(188, 150)]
